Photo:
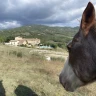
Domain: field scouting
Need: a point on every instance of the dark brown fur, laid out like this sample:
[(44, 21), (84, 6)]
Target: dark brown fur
[(82, 49)]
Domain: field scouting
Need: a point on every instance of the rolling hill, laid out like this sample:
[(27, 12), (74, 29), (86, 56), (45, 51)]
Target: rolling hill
[(48, 35)]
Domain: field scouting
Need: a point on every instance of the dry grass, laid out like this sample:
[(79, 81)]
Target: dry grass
[(31, 75)]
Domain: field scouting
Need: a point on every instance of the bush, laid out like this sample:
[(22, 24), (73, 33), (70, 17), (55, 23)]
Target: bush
[(37, 56), (19, 54), (53, 46), (15, 53), (62, 45), (57, 59), (23, 45)]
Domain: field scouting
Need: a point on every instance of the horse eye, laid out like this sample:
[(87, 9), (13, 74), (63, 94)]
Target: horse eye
[(76, 40), (69, 46)]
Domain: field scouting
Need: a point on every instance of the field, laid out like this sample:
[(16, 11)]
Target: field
[(26, 72)]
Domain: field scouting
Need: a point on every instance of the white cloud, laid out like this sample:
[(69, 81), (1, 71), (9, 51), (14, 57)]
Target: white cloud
[(11, 24)]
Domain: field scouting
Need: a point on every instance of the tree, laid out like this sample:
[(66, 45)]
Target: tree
[(2, 39), (9, 38)]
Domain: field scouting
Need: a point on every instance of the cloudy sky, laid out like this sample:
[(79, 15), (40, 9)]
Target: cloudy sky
[(15, 13)]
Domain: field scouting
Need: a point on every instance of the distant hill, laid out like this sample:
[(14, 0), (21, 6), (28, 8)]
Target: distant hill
[(48, 35)]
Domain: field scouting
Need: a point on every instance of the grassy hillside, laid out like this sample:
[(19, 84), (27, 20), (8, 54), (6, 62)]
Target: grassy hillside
[(28, 74), (48, 35)]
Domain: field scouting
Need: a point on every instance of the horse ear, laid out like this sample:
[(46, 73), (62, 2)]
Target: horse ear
[(88, 18)]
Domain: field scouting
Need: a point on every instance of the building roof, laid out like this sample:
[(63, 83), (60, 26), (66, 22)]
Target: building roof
[(21, 41), (18, 37), (13, 40)]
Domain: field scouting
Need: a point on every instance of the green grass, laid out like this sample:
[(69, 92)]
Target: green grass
[(31, 75)]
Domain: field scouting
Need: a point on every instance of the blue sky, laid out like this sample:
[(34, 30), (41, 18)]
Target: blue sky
[(16, 13)]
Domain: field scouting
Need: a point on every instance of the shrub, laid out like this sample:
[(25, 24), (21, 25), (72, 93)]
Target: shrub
[(54, 46), (13, 53), (57, 59), (23, 45), (61, 45), (19, 54)]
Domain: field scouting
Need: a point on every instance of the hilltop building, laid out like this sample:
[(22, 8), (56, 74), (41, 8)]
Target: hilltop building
[(23, 41), (18, 38)]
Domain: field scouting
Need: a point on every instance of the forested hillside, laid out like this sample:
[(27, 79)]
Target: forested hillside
[(48, 35)]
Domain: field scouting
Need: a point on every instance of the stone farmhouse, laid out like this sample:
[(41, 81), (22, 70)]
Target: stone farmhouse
[(23, 41)]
